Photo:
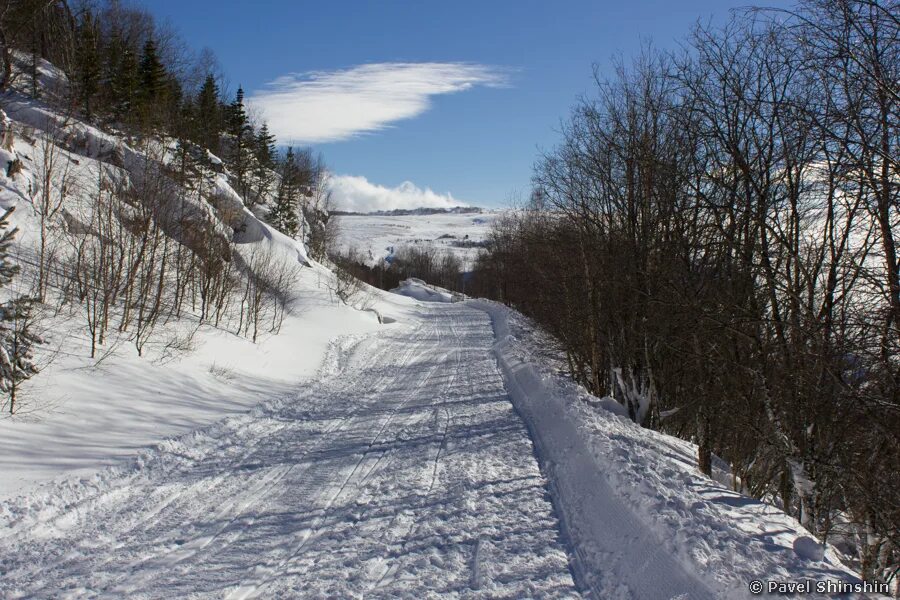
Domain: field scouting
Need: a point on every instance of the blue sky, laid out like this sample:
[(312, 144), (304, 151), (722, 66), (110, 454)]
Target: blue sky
[(456, 97)]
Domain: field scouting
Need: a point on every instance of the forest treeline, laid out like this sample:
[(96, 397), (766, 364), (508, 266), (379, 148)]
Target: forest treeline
[(144, 233), (713, 243), (438, 266)]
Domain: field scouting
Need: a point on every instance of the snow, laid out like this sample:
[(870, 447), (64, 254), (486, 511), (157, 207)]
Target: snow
[(418, 289), (440, 455), (640, 520), (378, 237), (81, 416), (808, 548), (78, 414), (401, 470)]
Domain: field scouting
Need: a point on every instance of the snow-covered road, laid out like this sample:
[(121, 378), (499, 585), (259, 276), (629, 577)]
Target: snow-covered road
[(406, 470), (403, 471)]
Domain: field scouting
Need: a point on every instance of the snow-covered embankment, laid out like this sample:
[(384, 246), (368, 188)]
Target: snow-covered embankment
[(639, 519)]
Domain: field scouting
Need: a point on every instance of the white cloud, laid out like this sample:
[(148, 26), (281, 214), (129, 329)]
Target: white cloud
[(330, 106), (357, 194)]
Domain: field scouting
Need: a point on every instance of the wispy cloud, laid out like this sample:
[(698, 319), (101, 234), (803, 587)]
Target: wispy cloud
[(321, 106), (358, 194)]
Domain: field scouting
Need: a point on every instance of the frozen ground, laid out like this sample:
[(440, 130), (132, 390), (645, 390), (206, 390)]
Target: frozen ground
[(80, 414), (403, 471), (377, 236), (437, 457)]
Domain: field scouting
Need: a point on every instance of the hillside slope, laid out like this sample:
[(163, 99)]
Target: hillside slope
[(81, 413)]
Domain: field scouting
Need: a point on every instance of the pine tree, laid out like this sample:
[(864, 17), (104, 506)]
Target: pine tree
[(238, 123), (87, 63), (173, 97), (153, 83), (209, 115), (120, 77), (17, 340), (187, 120), (264, 166), (285, 214), (264, 148), (152, 73), (241, 156)]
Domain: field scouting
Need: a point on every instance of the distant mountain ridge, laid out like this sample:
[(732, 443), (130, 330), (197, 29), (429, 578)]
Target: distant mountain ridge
[(402, 212)]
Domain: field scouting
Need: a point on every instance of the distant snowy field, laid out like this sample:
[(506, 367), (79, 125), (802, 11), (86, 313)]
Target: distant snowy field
[(377, 237)]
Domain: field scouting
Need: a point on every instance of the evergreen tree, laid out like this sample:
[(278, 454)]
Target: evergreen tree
[(153, 83), (285, 215), (238, 123), (17, 340), (264, 148), (187, 119), (120, 77), (209, 116), (241, 156), (264, 166), (87, 63), (173, 97), (152, 73)]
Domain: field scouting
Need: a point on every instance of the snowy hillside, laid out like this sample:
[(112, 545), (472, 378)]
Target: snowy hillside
[(378, 237), (80, 412)]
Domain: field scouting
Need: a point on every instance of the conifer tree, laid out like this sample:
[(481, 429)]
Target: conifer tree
[(120, 78), (209, 115), (187, 119), (264, 165), (153, 83), (264, 148), (152, 72), (17, 340), (173, 99), (87, 63), (285, 214), (241, 155)]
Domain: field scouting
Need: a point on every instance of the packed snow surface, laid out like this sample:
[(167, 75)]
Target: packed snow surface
[(435, 458), (402, 471)]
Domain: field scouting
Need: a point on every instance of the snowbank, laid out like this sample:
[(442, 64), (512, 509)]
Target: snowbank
[(418, 289), (82, 415), (641, 520)]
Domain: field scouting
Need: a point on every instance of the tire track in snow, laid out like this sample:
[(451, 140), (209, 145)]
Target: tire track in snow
[(387, 569), (163, 558), (379, 479), (249, 590), (316, 479)]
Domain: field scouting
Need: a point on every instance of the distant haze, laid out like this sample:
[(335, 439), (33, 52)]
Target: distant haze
[(353, 193)]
